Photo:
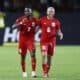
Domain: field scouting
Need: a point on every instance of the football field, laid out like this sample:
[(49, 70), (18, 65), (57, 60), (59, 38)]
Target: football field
[(65, 64)]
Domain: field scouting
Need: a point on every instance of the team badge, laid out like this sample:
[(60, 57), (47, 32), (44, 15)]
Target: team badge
[(53, 24), (33, 24)]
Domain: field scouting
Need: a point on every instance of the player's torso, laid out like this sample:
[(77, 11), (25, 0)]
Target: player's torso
[(28, 28), (48, 29)]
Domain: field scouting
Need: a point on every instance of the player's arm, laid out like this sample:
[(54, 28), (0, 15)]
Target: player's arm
[(16, 25), (59, 33), (37, 29)]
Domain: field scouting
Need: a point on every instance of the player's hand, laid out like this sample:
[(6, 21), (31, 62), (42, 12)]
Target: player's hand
[(23, 21), (61, 35)]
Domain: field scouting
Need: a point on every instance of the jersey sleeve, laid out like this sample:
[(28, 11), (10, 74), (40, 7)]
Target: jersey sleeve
[(18, 20), (57, 25)]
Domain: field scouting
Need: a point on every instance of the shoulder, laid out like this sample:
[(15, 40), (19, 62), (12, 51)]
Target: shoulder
[(42, 18), (20, 18), (57, 20), (33, 18)]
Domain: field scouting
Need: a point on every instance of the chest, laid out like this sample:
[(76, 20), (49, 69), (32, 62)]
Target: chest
[(49, 26), (28, 26), (49, 23), (29, 23)]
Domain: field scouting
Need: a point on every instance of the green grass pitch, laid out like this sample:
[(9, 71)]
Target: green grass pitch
[(65, 64)]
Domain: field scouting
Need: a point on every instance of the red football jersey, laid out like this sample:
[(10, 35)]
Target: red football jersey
[(27, 29), (48, 27)]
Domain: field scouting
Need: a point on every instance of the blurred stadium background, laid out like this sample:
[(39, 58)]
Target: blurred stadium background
[(68, 12), (66, 64)]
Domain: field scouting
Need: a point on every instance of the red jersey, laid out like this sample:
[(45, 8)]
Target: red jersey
[(48, 28), (27, 29)]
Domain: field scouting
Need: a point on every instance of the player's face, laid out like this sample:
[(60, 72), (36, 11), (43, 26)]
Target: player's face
[(27, 12), (51, 12)]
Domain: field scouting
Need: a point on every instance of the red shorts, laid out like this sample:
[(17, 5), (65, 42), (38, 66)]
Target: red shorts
[(48, 47), (25, 45)]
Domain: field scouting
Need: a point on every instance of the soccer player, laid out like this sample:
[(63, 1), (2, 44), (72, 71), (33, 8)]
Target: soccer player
[(50, 27), (26, 26)]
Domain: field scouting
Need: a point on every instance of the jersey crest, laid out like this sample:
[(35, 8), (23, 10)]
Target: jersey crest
[(53, 24)]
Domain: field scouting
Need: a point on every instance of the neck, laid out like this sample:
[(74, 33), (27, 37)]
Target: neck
[(28, 17), (50, 17)]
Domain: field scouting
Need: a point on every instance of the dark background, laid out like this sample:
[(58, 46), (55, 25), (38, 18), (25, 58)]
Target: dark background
[(67, 11)]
